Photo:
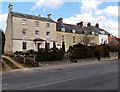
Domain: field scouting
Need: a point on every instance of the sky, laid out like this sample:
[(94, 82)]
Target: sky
[(72, 12)]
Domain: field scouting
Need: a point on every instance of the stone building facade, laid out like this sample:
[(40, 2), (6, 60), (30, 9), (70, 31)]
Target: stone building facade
[(25, 32)]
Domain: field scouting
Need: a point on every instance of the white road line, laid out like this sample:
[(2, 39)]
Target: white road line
[(53, 82), (50, 83), (3, 85)]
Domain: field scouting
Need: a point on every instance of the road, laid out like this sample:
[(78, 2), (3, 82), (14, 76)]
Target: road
[(99, 76)]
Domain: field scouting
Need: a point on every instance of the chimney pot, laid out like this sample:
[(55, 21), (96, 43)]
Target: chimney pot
[(89, 24), (49, 16), (97, 25), (80, 24), (39, 15), (10, 7), (60, 20)]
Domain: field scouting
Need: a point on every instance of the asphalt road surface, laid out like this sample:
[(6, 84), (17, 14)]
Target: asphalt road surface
[(99, 76)]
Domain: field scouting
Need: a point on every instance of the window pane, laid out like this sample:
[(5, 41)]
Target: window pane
[(24, 45), (24, 33), (36, 23), (24, 22), (48, 45), (47, 25), (73, 30), (37, 33), (48, 35), (63, 29), (62, 38), (73, 39)]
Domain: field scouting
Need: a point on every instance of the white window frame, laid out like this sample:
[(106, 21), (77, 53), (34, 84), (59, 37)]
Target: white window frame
[(36, 33), (24, 34), (73, 31), (24, 22), (63, 38), (47, 25), (48, 35), (63, 29), (24, 43), (37, 24), (73, 39)]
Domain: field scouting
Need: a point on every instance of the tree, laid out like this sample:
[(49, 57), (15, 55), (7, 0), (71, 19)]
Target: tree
[(86, 40), (2, 39), (46, 45), (54, 44), (63, 46)]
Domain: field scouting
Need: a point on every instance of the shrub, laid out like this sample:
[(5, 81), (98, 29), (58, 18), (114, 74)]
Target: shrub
[(18, 53), (52, 54), (29, 61), (19, 59), (30, 52), (101, 51), (80, 51)]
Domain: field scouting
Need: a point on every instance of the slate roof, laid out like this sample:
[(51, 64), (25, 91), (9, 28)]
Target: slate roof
[(79, 30), (21, 15), (68, 27)]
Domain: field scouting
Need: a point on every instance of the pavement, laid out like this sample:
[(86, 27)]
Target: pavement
[(53, 67), (13, 61), (5, 65), (76, 76)]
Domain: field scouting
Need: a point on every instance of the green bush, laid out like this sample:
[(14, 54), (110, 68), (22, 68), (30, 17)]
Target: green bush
[(30, 52), (18, 53), (19, 59), (46, 54), (80, 51)]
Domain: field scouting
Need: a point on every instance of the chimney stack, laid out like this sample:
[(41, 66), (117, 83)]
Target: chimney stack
[(60, 20), (80, 24), (97, 25), (39, 15), (10, 7), (89, 24), (49, 16)]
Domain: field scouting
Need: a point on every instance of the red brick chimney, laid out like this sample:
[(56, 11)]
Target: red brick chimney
[(97, 25), (80, 24), (89, 24)]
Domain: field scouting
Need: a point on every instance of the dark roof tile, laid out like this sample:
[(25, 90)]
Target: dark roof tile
[(21, 15)]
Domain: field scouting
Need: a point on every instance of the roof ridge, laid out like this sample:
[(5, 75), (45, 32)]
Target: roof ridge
[(17, 14)]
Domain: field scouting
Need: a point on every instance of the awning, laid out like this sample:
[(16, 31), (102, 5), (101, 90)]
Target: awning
[(38, 39)]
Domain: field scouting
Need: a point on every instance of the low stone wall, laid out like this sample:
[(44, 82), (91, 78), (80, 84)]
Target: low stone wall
[(113, 55)]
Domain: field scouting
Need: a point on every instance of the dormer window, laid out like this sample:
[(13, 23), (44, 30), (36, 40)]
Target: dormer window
[(102, 32), (73, 31), (93, 33), (63, 29), (24, 22), (36, 23), (47, 25)]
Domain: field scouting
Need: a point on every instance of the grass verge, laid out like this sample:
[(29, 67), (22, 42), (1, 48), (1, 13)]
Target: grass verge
[(10, 64)]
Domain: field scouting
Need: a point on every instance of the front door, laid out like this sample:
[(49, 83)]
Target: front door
[(38, 46)]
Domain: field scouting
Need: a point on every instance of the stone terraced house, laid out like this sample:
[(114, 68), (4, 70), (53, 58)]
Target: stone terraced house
[(25, 32)]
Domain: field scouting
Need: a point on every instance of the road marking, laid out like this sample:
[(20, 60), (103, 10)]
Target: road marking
[(53, 82), (3, 85), (69, 72), (50, 83)]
